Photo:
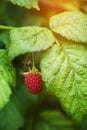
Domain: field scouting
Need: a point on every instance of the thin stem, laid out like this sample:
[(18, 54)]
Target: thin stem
[(6, 27), (33, 59), (33, 63), (56, 41)]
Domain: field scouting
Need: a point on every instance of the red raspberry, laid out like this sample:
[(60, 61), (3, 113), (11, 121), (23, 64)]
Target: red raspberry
[(34, 82)]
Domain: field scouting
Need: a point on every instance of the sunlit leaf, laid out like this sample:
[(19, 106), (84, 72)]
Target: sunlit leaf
[(29, 39), (27, 3), (64, 71), (71, 24)]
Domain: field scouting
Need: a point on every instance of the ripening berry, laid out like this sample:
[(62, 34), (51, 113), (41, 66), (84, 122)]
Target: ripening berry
[(34, 82)]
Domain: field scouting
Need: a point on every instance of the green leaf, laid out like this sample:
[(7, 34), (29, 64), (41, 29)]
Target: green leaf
[(29, 39), (64, 70), (7, 78), (10, 117), (53, 120), (4, 38), (26, 3), (71, 24)]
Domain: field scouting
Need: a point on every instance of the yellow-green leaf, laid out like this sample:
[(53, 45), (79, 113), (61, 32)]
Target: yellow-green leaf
[(70, 24), (29, 39), (64, 71), (26, 3)]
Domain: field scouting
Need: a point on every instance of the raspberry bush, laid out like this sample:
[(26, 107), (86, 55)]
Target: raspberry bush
[(43, 65)]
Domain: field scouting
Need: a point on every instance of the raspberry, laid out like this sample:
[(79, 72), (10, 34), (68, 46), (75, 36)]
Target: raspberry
[(34, 82)]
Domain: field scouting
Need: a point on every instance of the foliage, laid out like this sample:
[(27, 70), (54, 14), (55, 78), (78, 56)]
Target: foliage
[(56, 32), (7, 78), (66, 77), (29, 39), (28, 3), (71, 25)]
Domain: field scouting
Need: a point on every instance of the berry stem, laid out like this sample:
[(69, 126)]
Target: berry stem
[(33, 62)]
